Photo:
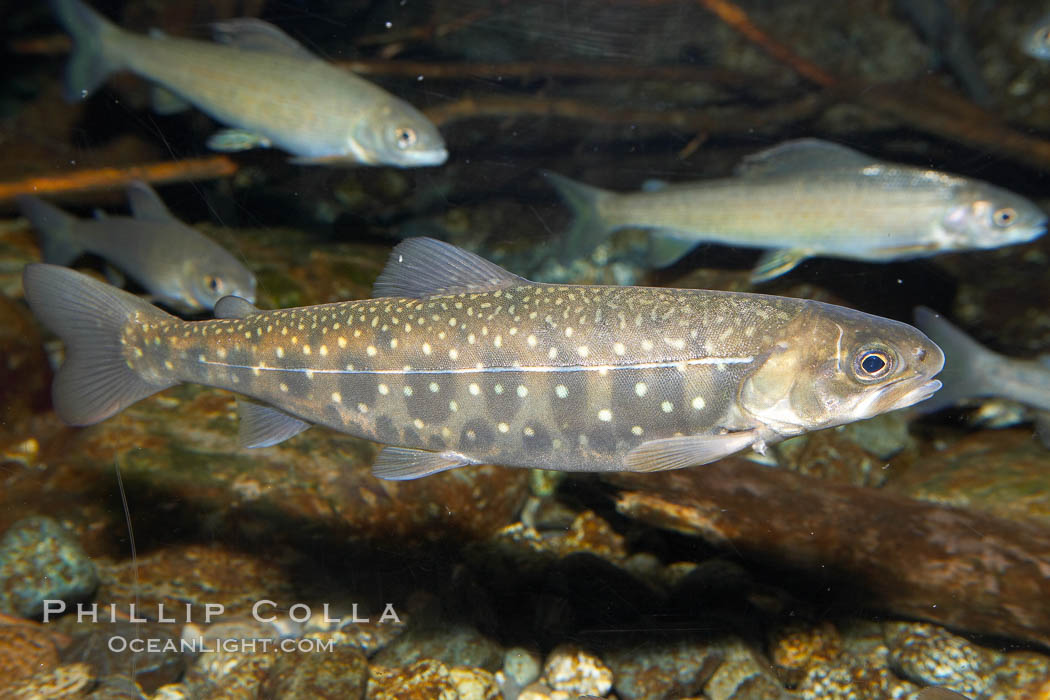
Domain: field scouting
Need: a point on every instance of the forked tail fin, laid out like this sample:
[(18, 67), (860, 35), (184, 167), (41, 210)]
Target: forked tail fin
[(93, 58), (95, 381)]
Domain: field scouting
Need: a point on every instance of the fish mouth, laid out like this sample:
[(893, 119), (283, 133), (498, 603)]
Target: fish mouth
[(919, 393), (415, 159)]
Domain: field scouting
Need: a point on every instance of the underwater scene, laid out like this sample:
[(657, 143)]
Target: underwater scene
[(542, 350)]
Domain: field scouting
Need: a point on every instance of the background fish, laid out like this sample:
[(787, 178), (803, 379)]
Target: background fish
[(263, 83), (972, 371), (809, 198), (1036, 40), (178, 265), (459, 362)]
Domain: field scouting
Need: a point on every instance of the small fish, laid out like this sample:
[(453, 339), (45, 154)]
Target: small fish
[(1036, 41), (459, 362), (178, 265), (265, 85), (972, 371), (808, 198)]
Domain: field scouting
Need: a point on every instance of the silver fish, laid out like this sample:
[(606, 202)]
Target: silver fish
[(809, 198), (261, 82), (178, 265), (972, 371), (1036, 40), (457, 362)]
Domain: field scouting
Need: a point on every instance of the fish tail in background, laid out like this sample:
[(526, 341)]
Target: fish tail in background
[(93, 58), (588, 228), (961, 352), (54, 230), (95, 380)]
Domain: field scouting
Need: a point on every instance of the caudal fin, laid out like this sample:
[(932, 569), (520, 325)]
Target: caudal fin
[(588, 228), (93, 58), (965, 361), (54, 228), (95, 381)]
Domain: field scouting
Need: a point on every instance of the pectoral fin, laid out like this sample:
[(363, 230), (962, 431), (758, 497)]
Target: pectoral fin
[(237, 140), (234, 307), (166, 102), (691, 451), (265, 426), (403, 463), (777, 262), (668, 248)]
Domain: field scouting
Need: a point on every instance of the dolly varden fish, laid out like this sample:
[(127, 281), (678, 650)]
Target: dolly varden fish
[(457, 361), (265, 85), (178, 265), (809, 198)]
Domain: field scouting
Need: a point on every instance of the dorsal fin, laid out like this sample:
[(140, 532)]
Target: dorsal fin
[(421, 267), (146, 204), (252, 34), (234, 307), (801, 155)]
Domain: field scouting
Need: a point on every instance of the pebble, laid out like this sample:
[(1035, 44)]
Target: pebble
[(741, 677), (930, 655), (69, 681), (25, 650), (521, 665), (40, 560), (430, 679), (336, 674), (666, 670), (574, 670)]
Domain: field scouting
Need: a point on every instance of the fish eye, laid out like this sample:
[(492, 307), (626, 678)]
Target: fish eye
[(1004, 217), (404, 137), (872, 364), (213, 283)]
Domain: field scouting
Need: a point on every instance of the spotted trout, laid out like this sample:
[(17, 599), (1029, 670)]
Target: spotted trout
[(270, 89), (178, 265), (458, 362), (809, 198)]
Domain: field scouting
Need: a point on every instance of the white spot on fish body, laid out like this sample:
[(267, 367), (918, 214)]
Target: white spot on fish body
[(498, 389), (522, 391), (453, 354), (362, 408), (667, 407), (699, 403), (337, 397), (583, 351), (393, 343), (605, 415), (637, 430), (531, 340), (453, 406), (408, 391), (560, 391), (503, 427), (641, 389), (474, 389), (418, 423), (371, 351), (619, 348), (426, 348), (384, 389), (341, 342), (434, 388), (647, 346)]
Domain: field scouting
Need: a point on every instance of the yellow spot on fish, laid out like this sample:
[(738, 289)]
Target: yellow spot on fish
[(498, 342), (426, 348), (434, 388), (453, 406), (552, 353), (384, 389), (568, 332), (503, 427), (522, 391), (637, 430), (619, 348), (474, 389), (295, 340), (279, 352), (337, 397), (306, 349), (362, 408), (168, 365), (641, 388), (323, 351), (531, 340), (357, 332), (471, 339), (370, 351), (667, 407), (529, 432), (605, 415), (393, 343), (283, 387), (453, 354), (560, 391), (699, 403), (418, 423), (342, 342), (583, 351)]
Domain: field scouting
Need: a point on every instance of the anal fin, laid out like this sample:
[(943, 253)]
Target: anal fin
[(689, 451), (265, 426), (404, 463)]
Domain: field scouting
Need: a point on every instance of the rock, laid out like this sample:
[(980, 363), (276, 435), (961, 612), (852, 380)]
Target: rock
[(908, 554), (521, 666), (61, 683), (40, 560), (929, 655), (1003, 472), (742, 677), (26, 649), (453, 644), (108, 649), (430, 679), (117, 687), (663, 670), (339, 674), (574, 670)]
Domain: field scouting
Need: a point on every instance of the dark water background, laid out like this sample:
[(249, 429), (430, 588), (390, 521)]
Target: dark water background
[(853, 570)]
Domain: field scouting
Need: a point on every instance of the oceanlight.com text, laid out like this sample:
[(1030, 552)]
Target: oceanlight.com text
[(198, 645)]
